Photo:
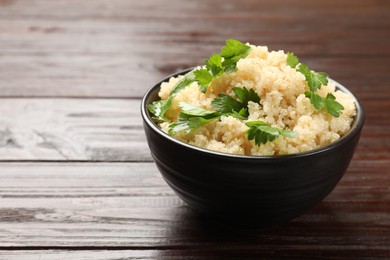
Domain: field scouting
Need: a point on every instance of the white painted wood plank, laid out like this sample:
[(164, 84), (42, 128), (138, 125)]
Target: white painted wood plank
[(79, 254), (72, 129)]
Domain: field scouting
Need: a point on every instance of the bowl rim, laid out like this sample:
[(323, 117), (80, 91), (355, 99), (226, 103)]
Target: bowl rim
[(357, 125)]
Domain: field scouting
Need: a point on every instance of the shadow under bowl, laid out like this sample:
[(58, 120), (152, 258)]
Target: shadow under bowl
[(249, 191)]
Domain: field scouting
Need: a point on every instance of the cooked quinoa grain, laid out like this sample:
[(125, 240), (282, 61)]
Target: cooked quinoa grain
[(283, 104)]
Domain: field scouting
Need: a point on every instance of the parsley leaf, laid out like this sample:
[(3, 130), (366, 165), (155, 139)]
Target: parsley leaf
[(262, 133), (203, 77), (160, 107), (214, 64), (213, 69), (155, 107), (238, 108), (188, 124), (292, 60), (245, 95), (190, 118), (331, 105), (226, 104), (232, 52), (242, 114), (184, 82), (233, 48), (316, 100), (192, 110), (314, 79), (225, 62)]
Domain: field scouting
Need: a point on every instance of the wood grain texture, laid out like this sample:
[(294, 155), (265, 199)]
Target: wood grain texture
[(128, 206), (177, 254), (120, 48), (72, 129), (76, 177), (111, 130), (81, 255)]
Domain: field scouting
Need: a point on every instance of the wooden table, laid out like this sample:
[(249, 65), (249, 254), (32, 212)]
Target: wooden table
[(76, 177)]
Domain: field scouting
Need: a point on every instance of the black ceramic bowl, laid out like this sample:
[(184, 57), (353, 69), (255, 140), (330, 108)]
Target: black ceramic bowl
[(258, 191)]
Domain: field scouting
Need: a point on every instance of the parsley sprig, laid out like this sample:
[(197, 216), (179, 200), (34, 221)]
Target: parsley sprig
[(262, 133), (315, 80), (160, 107), (192, 117), (329, 102), (216, 65), (225, 104), (224, 62)]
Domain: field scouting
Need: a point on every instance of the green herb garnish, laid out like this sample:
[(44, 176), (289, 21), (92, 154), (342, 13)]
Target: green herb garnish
[(239, 108), (232, 52), (245, 95), (292, 60), (331, 105), (192, 117), (262, 133), (226, 104), (315, 80), (225, 62), (160, 107)]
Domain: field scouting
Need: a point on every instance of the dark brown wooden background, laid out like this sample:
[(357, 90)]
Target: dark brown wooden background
[(76, 177)]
